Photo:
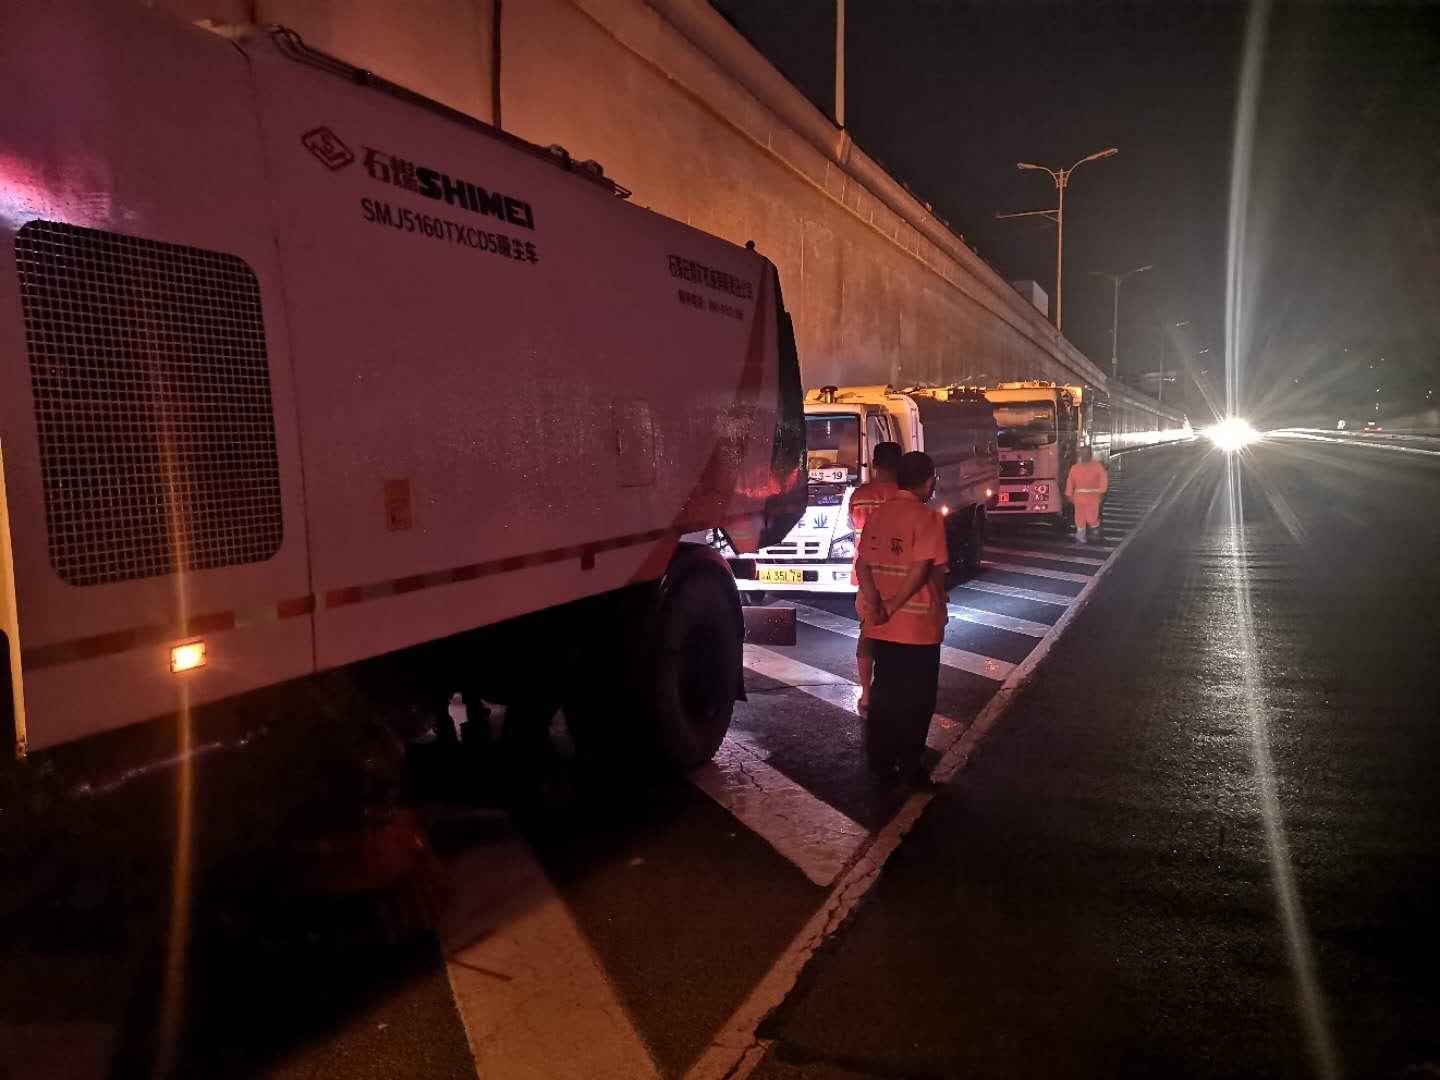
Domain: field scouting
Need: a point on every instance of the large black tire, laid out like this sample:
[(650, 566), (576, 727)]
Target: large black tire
[(658, 683), (965, 545), (696, 661), (975, 543)]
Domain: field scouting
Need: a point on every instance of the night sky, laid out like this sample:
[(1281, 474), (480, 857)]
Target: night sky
[(1343, 229)]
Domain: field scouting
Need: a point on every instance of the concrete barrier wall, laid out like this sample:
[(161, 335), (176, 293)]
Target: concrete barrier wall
[(679, 108)]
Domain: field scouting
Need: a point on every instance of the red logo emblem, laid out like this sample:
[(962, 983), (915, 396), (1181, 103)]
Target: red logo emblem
[(328, 148)]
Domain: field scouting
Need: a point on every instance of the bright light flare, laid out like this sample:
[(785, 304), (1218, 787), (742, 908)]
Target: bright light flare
[(187, 657), (1232, 434)]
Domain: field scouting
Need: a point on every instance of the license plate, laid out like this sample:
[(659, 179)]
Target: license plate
[(782, 577)]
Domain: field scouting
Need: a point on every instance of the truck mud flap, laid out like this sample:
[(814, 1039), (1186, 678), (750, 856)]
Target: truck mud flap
[(769, 625)]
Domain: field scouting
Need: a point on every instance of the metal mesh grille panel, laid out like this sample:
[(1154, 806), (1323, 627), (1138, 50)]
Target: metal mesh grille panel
[(152, 396)]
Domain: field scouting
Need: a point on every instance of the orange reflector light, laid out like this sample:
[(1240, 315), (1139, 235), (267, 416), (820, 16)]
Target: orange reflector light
[(988, 493), (187, 657)]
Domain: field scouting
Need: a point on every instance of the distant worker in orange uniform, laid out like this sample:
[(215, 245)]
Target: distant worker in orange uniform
[(903, 611), (1086, 487), (864, 501)]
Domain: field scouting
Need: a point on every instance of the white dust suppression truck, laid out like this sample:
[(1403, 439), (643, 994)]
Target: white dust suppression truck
[(299, 369), (843, 425)]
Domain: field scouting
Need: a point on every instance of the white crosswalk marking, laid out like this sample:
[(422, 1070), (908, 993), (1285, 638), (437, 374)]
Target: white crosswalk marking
[(1054, 556), (1018, 593), (831, 688), (808, 831), (1036, 571), (985, 666), (999, 622), (527, 984)]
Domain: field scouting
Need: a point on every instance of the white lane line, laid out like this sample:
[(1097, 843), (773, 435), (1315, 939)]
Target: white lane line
[(976, 663), (1036, 571), (532, 995), (808, 831), (1017, 593), (980, 617), (825, 685), (735, 1050), (834, 690), (1053, 556), (1353, 442)]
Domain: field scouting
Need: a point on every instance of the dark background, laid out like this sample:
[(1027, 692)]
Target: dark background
[(1342, 262)]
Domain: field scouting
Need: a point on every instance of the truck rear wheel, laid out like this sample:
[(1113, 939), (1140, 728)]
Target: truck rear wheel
[(697, 655), (657, 685), (965, 544), (975, 543)]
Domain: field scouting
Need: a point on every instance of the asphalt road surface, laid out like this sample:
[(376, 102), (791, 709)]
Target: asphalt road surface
[(1204, 842), (1187, 827)]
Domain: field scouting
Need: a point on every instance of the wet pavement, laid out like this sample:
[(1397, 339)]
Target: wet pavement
[(1099, 892), (1203, 842)]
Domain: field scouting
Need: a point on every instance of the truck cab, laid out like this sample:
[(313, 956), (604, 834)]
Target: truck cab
[(1037, 423), (843, 425)]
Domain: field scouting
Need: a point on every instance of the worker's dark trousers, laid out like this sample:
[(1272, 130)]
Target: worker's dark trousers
[(902, 700)]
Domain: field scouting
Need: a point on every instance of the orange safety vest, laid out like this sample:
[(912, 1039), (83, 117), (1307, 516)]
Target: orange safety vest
[(864, 501), (1087, 478), (899, 534), (867, 498)]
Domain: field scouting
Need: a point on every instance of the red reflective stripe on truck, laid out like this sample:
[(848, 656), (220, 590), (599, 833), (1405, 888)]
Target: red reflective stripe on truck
[(120, 641), (89, 648)]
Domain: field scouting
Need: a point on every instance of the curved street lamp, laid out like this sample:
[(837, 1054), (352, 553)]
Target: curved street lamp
[(1061, 177)]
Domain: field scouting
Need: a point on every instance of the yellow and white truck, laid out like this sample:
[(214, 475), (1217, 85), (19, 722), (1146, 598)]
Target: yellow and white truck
[(843, 425)]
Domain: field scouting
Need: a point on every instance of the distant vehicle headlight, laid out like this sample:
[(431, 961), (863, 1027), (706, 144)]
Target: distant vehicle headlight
[(843, 547), (1232, 434)]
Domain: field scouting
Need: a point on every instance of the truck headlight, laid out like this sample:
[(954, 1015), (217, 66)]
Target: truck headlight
[(843, 547)]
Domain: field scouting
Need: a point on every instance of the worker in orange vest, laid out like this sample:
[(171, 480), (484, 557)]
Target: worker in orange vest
[(1086, 487), (864, 501), (903, 605)]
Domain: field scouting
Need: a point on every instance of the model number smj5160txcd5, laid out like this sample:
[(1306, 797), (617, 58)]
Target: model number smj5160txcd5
[(398, 217)]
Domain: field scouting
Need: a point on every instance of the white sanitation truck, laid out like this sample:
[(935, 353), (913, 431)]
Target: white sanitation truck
[(299, 369), (843, 425)]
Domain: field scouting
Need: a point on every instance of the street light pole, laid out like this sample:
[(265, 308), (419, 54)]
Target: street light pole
[(1117, 280), (1061, 177), (1160, 390)]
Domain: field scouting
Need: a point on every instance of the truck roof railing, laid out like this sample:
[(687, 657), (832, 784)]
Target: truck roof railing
[(952, 392), (834, 395), (294, 46)]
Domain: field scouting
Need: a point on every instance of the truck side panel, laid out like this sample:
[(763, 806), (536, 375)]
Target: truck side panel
[(515, 389), (146, 404)]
